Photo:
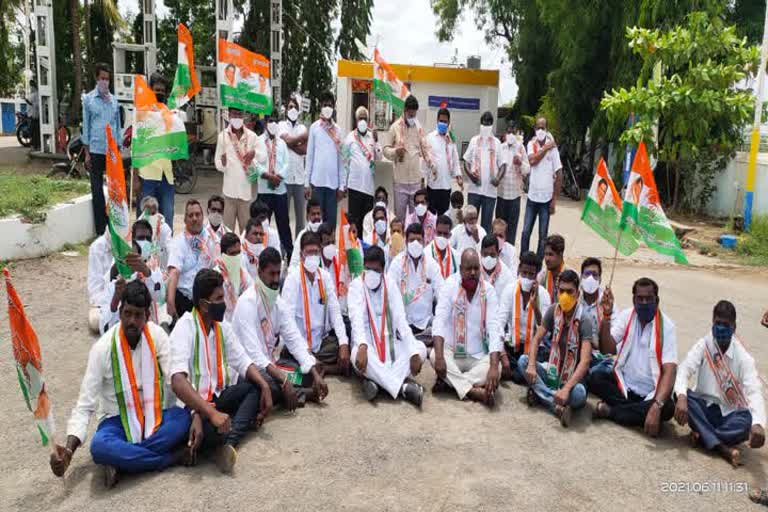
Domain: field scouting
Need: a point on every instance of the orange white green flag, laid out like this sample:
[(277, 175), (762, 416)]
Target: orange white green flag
[(157, 132), (602, 211), (350, 258), (117, 206), (185, 83), (243, 79), (642, 215), (387, 86), (29, 363)]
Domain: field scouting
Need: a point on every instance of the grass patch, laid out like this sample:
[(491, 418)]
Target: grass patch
[(753, 246), (31, 195)]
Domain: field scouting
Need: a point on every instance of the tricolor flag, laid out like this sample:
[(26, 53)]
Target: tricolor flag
[(350, 255), (29, 363), (157, 132), (117, 206), (243, 79), (185, 83), (602, 211), (642, 215), (386, 85)]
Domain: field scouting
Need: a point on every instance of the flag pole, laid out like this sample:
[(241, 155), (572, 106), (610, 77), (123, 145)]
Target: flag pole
[(615, 258), (130, 200)]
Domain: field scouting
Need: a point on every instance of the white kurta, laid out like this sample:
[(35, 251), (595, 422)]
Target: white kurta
[(422, 285)]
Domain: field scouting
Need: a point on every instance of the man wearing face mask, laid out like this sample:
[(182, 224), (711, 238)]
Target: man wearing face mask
[(511, 184), (214, 377), (236, 279), (238, 150), (252, 244), (329, 253), (589, 302), (467, 235), (262, 318), (384, 351), (310, 295), (161, 231), (725, 407), (295, 135), (380, 235), (638, 391), (559, 384), (407, 149), (314, 220), (360, 153), (259, 209), (485, 165), (214, 224), (521, 309), (446, 165), (544, 185), (456, 213), (507, 251), (324, 181), (272, 188), (494, 271), (419, 280), (466, 334), (440, 248), (422, 215), (100, 108), (382, 199)]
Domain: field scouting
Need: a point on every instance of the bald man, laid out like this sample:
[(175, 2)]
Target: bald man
[(359, 153), (466, 335)]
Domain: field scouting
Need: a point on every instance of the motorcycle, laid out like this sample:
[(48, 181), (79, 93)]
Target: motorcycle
[(24, 129)]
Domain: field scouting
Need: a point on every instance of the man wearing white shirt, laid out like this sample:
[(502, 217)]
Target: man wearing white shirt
[(446, 165), (237, 149), (382, 199), (204, 350), (161, 230), (419, 280), (272, 188), (493, 269), (153, 445), (384, 349), (485, 166), (261, 317), (360, 153), (314, 219), (271, 236), (310, 293), (295, 136), (725, 407), (469, 234), (440, 249), (380, 234), (507, 251), (589, 301), (638, 391), (233, 269), (324, 179), (467, 340), (422, 215), (511, 185), (99, 262), (214, 225), (543, 185)]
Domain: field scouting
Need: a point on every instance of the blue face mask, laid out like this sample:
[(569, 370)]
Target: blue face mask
[(722, 335), (645, 312), (442, 128)]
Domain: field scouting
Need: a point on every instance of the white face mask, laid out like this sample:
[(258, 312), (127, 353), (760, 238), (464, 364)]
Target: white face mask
[(415, 249), (311, 263), (145, 246), (410, 120), (489, 262), (381, 227), (326, 112), (526, 284), (236, 123), (362, 126), (293, 114), (215, 219), (314, 226), (441, 242), (372, 279), (330, 251), (486, 131), (541, 134), (420, 209), (272, 128), (590, 285), (265, 225), (381, 203)]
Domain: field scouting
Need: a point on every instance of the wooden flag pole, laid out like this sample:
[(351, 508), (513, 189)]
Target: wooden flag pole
[(615, 258)]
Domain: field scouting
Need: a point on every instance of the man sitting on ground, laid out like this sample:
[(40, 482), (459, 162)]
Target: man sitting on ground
[(99, 262), (252, 244), (440, 249), (421, 215), (589, 301), (230, 266), (507, 251), (469, 234), (271, 237), (554, 264), (314, 219), (494, 270)]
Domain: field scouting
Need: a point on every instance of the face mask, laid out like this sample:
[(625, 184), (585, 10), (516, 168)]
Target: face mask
[(645, 312), (293, 114), (415, 249), (265, 225), (362, 126), (383, 204), (541, 134), (722, 334), (420, 209), (442, 128), (103, 86), (511, 139), (160, 98), (381, 227), (372, 279), (258, 128), (145, 248), (326, 112), (215, 219), (311, 263), (489, 262), (486, 131), (272, 128), (236, 123), (410, 120), (441, 242), (590, 285), (270, 294), (216, 310), (232, 263), (469, 284), (567, 301), (330, 251), (313, 226), (526, 284)]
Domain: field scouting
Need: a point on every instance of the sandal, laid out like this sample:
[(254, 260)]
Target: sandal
[(759, 496), (530, 398), (601, 411)]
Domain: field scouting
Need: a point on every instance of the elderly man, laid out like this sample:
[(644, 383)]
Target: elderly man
[(446, 165), (161, 230), (507, 251), (469, 234), (465, 332), (485, 166), (360, 153)]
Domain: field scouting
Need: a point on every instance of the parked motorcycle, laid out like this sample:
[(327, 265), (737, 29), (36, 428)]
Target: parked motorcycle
[(24, 129)]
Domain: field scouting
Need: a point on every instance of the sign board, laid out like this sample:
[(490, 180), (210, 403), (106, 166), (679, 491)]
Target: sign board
[(454, 103), (305, 104)]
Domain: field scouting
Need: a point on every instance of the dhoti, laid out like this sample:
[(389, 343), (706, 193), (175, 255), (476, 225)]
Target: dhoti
[(465, 372)]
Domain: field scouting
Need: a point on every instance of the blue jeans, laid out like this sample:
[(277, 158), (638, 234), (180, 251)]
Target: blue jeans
[(713, 427), (576, 400), (164, 193), (509, 211), (109, 446), (328, 203), (278, 203), (242, 402), (605, 364), (532, 211), (484, 205)]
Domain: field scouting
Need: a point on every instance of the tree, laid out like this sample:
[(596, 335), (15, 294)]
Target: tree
[(355, 26), (693, 97), (317, 19), (10, 65), (77, 57)]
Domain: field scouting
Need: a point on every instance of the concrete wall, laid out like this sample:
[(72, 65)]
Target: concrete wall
[(65, 223), (731, 185)]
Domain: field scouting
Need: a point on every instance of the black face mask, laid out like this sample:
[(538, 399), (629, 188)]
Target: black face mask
[(217, 310), (258, 128), (161, 98)]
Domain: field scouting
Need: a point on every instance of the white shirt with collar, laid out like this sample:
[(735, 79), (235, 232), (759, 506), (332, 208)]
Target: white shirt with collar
[(236, 184), (368, 226), (99, 263), (509, 256), (418, 312), (461, 240), (97, 390), (445, 157), (511, 185), (358, 170), (744, 370), (594, 310), (503, 279), (188, 261), (295, 161), (541, 184), (484, 145), (281, 166), (325, 167), (508, 312), (323, 317), (258, 328), (432, 251)]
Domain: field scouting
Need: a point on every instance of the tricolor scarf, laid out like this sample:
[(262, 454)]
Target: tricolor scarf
[(494, 274), (272, 155), (368, 151), (730, 387), (448, 153), (411, 297), (230, 293), (460, 307), (240, 151), (520, 346), (210, 376), (654, 355), (549, 281), (562, 365), (447, 262), (382, 336), (140, 414), (478, 154), (305, 299)]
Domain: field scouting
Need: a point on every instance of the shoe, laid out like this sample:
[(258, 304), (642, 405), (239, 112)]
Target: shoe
[(565, 416), (413, 393), (441, 386), (530, 398), (110, 476), (370, 389), (226, 458), (601, 411)]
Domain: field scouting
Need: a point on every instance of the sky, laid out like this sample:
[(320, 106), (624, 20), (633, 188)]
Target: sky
[(405, 31)]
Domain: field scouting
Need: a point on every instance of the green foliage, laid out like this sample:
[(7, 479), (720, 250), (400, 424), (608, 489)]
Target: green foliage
[(30, 195), (754, 245), (11, 47), (355, 25)]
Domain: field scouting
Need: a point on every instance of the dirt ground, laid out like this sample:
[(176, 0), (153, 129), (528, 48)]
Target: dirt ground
[(351, 455)]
